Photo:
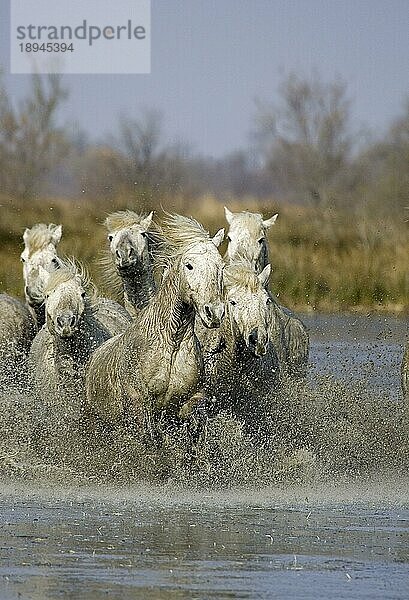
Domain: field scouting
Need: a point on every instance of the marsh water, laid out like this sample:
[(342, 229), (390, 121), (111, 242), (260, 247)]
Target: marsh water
[(326, 517)]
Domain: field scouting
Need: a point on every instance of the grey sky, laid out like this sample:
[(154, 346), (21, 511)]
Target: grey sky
[(212, 58)]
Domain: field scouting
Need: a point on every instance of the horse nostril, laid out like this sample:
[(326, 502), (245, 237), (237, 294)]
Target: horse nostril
[(118, 254), (73, 320), (253, 337), (208, 311)]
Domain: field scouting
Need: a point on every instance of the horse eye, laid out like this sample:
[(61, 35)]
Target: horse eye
[(261, 240), (189, 266), (233, 302), (55, 262), (269, 301), (22, 259), (143, 233), (110, 237), (83, 295)]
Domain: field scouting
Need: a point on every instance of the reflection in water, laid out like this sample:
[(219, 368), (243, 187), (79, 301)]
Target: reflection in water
[(218, 547), (318, 509)]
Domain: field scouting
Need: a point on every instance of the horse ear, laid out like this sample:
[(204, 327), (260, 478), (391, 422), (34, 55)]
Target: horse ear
[(25, 235), (229, 215), (147, 221), (56, 233), (264, 275), (268, 222), (218, 238)]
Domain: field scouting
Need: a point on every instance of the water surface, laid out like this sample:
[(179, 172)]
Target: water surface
[(67, 534)]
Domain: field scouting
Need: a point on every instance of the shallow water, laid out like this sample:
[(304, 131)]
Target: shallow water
[(157, 543), (342, 535), (366, 349)]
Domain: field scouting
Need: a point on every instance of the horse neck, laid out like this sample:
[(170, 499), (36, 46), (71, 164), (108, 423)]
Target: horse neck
[(168, 315), (139, 285), (39, 314), (263, 259)]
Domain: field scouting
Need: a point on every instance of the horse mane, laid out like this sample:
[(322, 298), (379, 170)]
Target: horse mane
[(39, 237), (179, 233), (111, 281), (72, 269), (249, 219), (241, 273), (123, 219)]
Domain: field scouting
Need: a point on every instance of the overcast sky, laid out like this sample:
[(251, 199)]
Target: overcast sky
[(212, 58)]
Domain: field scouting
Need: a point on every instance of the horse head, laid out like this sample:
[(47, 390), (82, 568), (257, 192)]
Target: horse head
[(247, 237), (202, 275), (128, 239), (66, 300), (39, 259), (199, 266), (248, 305)]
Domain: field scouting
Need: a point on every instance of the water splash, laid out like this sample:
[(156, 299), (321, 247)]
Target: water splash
[(312, 435)]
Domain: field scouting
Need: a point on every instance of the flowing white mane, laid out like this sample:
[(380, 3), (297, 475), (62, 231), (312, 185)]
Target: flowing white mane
[(39, 237), (249, 220), (180, 234), (241, 273), (123, 219)]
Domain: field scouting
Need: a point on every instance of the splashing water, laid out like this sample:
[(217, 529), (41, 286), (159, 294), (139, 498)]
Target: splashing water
[(346, 423)]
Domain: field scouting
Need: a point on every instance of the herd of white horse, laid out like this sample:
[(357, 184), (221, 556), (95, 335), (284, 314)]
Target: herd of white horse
[(196, 332)]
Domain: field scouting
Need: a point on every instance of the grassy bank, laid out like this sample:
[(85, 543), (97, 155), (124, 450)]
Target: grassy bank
[(329, 260)]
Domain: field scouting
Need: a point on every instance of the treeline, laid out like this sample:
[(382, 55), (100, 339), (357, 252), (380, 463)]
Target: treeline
[(303, 149), (341, 241)]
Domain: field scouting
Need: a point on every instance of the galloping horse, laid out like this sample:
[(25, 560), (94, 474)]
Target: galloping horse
[(155, 366), (72, 332), (243, 375), (247, 238)]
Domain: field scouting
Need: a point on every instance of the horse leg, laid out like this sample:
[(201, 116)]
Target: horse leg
[(194, 413)]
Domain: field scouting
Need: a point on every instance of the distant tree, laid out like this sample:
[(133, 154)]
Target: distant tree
[(388, 165), (140, 141), (305, 141), (31, 143), (151, 164)]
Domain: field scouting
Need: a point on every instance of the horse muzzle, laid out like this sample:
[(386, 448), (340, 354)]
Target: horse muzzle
[(257, 342), (66, 325), (32, 298), (212, 314), (126, 259)]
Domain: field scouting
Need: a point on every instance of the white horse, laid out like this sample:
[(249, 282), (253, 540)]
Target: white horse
[(131, 244), (242, 370), (155, 367), (70, 335), (39, 259), (17, 330), (19, 322), (247, 238)]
